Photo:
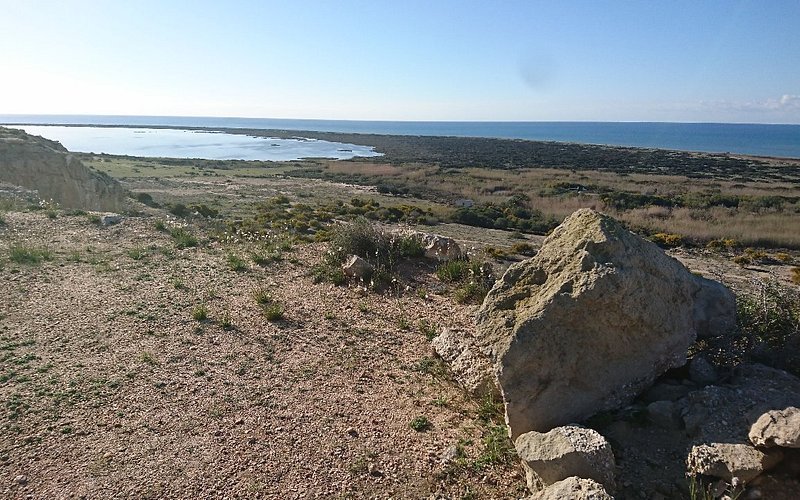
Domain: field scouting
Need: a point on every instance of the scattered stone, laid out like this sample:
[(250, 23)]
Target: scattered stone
[(731, 460), (777, 428), (701, 371), (573, 488), (356, 267), (590, 322), (352, 432), (21, 480), (563, 452)]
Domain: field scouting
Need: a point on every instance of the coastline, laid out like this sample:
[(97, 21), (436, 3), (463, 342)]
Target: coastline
[(732, 139)]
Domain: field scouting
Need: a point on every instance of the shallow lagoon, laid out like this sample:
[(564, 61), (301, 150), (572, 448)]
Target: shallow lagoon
[(176, 143)]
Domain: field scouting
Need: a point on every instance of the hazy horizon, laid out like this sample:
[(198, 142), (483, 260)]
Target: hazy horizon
[(448, 61)]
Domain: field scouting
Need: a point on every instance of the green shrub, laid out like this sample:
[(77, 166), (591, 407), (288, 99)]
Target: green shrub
[(262, 296), (200, 312), (420, 424)]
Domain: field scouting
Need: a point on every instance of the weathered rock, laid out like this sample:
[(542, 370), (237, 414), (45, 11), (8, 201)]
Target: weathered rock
[(731, 460), (37, 163), (563, 452), (469, 366), (777, 428), (440, 248), (590, 322), (356, 267), (573, 488), (701, 371)]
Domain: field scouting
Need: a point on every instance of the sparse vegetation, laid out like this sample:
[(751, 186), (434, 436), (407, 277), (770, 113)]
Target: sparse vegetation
[(273, 311), (28, 254), (236, 263), (183, 238)]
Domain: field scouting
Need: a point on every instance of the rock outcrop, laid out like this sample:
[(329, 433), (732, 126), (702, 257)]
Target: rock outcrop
[(565, 452), (45, 166), (591, 321)]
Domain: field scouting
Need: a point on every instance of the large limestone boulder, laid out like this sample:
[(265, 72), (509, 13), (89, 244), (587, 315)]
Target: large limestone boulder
[(45, 166), (591, 321), (565, 452), (777, 428)]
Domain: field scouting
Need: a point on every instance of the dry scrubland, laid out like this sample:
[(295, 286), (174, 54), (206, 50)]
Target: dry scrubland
[(201, 347)]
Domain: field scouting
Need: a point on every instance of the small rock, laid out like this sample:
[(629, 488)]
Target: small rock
[(351, 431), (21, 480)]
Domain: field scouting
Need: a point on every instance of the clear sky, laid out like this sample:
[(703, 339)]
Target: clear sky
[(672, 60)]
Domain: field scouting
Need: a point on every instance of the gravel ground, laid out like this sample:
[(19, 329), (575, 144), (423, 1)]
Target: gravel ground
[(111, 389)]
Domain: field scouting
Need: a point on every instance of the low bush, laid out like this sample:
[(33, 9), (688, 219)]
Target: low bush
[(667, 240)]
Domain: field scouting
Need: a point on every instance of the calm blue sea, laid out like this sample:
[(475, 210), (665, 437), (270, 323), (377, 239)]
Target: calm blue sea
[(754, 139)]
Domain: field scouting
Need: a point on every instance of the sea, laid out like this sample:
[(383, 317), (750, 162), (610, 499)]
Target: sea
[(749, 139)]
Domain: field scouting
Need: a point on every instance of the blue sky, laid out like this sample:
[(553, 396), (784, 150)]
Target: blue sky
[(720, 61)]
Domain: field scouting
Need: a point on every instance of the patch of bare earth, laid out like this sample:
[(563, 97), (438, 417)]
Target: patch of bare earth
[(110, 387)]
